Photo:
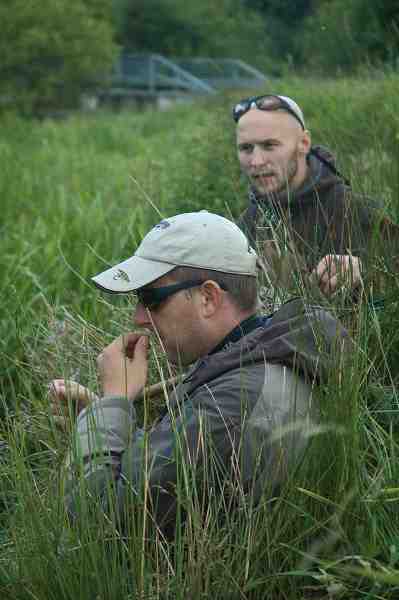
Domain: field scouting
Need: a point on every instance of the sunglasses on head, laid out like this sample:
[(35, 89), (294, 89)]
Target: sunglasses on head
[(152, 297), (267, 102)]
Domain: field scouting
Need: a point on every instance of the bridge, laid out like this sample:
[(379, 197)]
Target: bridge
[(151, 76)]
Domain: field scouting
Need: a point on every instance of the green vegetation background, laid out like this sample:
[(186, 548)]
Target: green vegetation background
[(78, 195), (53, 51)]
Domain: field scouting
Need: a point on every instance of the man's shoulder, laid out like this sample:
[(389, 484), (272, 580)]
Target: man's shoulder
[(230, 376), (340, 198)]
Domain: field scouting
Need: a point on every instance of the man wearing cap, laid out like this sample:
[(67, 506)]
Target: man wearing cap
[(301, 213), (243, 408)]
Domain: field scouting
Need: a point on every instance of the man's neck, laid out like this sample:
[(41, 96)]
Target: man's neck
[(300, 177), (236, 331)]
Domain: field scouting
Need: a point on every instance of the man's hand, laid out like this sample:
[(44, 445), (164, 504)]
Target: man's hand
[(67, 399), (123, 366), (336, 271)]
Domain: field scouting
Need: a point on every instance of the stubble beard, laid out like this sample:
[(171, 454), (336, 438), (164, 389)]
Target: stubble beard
[(283, 180)]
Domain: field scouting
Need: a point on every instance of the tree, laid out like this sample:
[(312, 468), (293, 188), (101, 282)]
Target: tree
[(286, 11), (283, 23), (342, 35), (191, 28), (52, 50)]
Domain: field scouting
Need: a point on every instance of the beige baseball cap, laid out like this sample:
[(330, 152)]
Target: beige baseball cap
[(201, 240)]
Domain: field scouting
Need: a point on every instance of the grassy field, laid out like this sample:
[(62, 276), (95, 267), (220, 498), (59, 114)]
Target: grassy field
[(78, 195)]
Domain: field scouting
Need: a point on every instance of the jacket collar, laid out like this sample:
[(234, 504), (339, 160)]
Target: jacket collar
[(319, 175), (298, 336), (242, 329)]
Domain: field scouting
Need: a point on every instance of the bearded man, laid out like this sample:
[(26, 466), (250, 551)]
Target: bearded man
[(302, 213)]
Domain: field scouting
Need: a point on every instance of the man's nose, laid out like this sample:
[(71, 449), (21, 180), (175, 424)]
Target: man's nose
[(141, 316), (258, 156)]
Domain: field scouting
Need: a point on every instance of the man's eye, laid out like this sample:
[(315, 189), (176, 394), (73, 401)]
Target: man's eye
[(247, 148), (267, 145)]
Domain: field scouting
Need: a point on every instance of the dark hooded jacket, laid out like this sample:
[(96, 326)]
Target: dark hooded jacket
[(322, 217), (249, 402)]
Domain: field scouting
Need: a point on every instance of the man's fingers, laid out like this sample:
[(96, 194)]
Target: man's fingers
[(84, 396), (136, 349), (141, 354), (328, 266), (320, 270), (57, 389), (336, 270), (124, 345), (329, 285), (141, 348), (140, 358), (63, 390), (122, 366), (130, 341)]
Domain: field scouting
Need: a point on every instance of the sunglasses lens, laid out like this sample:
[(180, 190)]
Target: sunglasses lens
[(146, 298), (269, 103), (152, 297), (262, 102)]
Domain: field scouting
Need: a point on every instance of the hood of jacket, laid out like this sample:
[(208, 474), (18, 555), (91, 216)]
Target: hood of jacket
[(321, 176), (301, 337)]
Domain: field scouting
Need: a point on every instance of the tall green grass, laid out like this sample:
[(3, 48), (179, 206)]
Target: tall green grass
[(79, 195)]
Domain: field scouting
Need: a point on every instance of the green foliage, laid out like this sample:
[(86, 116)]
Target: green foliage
[(285, 10), (283, 24), (77, 196), (180, 28), (53, 50), (332, 35), (343, 35)]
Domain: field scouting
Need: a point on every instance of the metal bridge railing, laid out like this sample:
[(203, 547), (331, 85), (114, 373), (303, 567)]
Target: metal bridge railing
[(223, 72), (154, 74)]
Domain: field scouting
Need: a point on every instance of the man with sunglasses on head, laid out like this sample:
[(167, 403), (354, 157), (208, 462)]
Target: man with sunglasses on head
[(243, 406), (302, 214)]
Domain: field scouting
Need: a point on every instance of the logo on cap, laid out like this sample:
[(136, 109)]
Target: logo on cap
[(121, 275), (162, 225)]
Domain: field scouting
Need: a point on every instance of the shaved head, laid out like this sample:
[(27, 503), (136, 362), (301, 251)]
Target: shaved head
[(272, 149), (268, 118)]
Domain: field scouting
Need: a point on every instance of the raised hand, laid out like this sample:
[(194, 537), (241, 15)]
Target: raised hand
[(336, 271), (123, 366), (67, 399)]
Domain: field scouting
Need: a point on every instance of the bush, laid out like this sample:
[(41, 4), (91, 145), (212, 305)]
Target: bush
[(341, 35), (51, 51), (79, 195)]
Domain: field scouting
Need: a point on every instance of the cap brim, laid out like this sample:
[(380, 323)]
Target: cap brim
[(131, 274)]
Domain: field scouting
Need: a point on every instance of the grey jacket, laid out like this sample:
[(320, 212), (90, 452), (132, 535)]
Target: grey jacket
[(246, 408)]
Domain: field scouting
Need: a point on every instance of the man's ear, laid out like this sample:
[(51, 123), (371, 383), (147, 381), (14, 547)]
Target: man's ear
[(305, 142), (211, 298)]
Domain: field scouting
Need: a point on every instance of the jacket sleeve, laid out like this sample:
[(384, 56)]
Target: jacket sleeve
[(110, 453), (375, 239), (101, 435)]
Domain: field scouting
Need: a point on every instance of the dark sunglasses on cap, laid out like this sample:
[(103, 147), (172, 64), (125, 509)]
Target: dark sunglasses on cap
[(152, 297), (268, 102)]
